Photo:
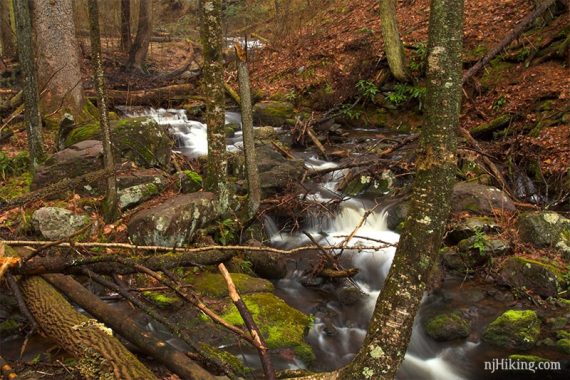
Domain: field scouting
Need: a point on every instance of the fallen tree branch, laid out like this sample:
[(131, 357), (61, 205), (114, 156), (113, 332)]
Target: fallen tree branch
[(514, 34), (153, 96)]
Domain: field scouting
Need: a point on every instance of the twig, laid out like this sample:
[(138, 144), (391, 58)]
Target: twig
[(250, 323), (55, 243)]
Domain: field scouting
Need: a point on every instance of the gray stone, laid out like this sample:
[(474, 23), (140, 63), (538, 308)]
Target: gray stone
[(174, 222), (447, 326), (485, 246), (543, 228), (134, 195), (470, 226), (480, 199), (56, 223), (520, 272), (273, 113)]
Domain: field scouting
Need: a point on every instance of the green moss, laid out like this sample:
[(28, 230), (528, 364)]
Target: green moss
[(227, 358), (161, 300), (527, 358), (281, 325), (14, 187), (86, 132), (487, 129), (564, 345), (191, 182), (514, 329), (8, 327), (448, 326), (214, 285), (550, 267), (495, 72), (563, 334)]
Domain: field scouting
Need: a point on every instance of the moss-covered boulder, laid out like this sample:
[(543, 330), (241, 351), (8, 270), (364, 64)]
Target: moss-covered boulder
[(141, 140), (471, 226), (190, 181), (540, 277), (280, 324), (515, 329), (447, 326), (487, 130), (56, 223), (543, 228), (214, 285), (273, 113), (162, 300), (479, 199), (174, 222), (527, 358), (134, 195)]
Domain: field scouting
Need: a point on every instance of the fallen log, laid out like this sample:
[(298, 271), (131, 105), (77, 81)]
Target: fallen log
[(149, 97), (145, 340)]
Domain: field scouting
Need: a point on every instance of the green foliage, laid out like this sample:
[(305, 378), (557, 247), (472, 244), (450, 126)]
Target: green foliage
[(403, 93), (13, 166), (479, 241), (499, 103), (350, 111), (418, 58), (291, 96), (367, 89), (226, 231)]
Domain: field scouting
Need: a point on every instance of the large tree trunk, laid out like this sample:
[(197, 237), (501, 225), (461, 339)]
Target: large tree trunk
[(253, 187), (33, 118), (125, 25), (139, 49), (110, 207), (392, 43), (101, 356), (57, 52), (391, 326), (8, 43), (212, 44)]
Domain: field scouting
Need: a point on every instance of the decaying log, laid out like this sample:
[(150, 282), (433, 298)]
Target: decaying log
[(145, 340), (232, 93), (150, 97), (100, 354)]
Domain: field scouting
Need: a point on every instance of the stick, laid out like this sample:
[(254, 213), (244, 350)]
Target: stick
[(250, 323), (317, 143)]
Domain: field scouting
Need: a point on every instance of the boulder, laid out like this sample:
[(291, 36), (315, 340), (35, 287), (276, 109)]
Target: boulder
[(470, 227), (480, 199), (214, 285), (190, 181), (543, 228), (174, 222), (541, 278), (140, 139), (134, 195), (447, 326), (397, 214), (273, 113), (514, 329), (485, 245), (56, 223)]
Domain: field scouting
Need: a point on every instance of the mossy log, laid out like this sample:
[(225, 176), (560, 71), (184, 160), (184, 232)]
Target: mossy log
[(101, 356)]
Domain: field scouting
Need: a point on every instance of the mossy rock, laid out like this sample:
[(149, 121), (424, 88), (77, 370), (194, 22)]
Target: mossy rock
[(487, 130), (214, 285), (190, 182), (235, 364), (134, 195), (543, 228), (448, 326), (515, 329), (9, 327), (485, 245), (564, 345), (14, 187), (273, 113), (541, 277), (281, 325), (494, 73), (140, 139), (162, 300), (527, 358), (470, 227)]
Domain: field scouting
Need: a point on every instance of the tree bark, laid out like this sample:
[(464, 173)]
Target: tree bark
[(33, 118), (125, 25), (110, 206), (392, 43), (254, 192), (57, 52), (101, 356), (391, 326), (8, 42), (146, 341), (212, 44), (139, 48)]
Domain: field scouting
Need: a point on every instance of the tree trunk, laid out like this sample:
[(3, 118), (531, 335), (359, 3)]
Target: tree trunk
[(101, 356), (391, 326), (125, 25), (392, 43), (33, 118), (8, 43), (139, 48), (110, 207), (254, 192), (212, 44), (57, 52)]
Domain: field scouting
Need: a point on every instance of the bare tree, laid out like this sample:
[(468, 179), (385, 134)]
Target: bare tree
[(125, 25), (8, 45), (110, 209), (33, 118), (212, 44), (139, 48), (57, 55), (391, 326), (392, 43)]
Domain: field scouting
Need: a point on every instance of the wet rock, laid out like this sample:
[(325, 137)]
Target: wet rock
[(543, 228), (275, 171), (78, 159), (214, 285), (134, 195), (140, 177), (141, 140), (471, 226), (266, 264), (349, 295), (514, 329), (174, 222), (264, 133), (56, 223), (448, 326), (281, 325), (397, 214), (541, 278), (480, 199), (273, 113), (563, 342)]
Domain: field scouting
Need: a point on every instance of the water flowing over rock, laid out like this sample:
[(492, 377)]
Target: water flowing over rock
[(480, 199), (56, 223), (174, 222)]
